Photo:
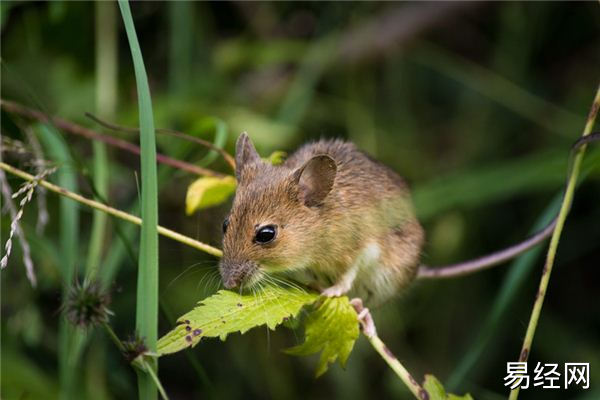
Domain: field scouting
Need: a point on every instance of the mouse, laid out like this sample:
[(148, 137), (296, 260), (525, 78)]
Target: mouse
[(330, 217), (336, 220)]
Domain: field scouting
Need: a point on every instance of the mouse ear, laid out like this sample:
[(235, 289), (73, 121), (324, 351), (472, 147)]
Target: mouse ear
[(245, 153), (315, 179)]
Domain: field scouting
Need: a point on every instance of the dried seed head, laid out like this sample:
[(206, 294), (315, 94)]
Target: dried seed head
[(86, 305)]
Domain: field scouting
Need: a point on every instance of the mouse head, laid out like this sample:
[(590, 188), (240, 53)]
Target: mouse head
[(275, 219)]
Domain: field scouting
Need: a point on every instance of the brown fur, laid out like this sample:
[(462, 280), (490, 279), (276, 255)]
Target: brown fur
[(334, 208)]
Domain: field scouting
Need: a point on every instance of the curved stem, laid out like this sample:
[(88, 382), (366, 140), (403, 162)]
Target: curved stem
[(148, 368), (562, 216), (113, 211), (168, 132), (385, 353), (71, 127), (370, 332)]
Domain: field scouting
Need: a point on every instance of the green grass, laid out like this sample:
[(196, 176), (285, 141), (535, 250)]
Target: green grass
[(106, 97), (58, 150), (147, 286)]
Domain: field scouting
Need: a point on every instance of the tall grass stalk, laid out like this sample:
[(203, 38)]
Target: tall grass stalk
[(562, 216), (57, 149), (147, 285), (517, 273), (106, 100)]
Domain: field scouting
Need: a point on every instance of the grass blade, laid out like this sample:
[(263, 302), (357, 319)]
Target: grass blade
[(552, 248), (147, 286)]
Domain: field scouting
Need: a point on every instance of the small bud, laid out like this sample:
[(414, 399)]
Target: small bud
[(134, 347)]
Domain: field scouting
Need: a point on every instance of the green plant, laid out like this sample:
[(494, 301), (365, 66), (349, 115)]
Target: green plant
[(147, 286)]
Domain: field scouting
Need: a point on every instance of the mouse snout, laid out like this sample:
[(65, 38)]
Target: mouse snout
[(234, 273)]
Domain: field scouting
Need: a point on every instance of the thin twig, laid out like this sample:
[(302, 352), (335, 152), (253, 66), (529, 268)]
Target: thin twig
[(113, 211), (71, 127), (143, 364), (148, 368), (170, 132), (113, 336), (389, 357), (370, 332), (562, 216)]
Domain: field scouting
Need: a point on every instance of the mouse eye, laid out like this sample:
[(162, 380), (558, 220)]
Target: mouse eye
[(225, 225), (265, 234)]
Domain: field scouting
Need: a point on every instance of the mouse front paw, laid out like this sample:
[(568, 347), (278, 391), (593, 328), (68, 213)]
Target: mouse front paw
[(335, 291)]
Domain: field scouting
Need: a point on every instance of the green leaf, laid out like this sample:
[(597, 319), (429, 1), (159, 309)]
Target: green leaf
[(208, 191), (227, 312), (332, 330), (276, 158), (436, 390)]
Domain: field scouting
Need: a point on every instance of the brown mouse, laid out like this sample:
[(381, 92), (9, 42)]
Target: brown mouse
[(333, 218), (330, 217)]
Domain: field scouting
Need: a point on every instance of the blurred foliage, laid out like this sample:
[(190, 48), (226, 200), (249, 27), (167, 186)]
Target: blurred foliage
[(475, 104)]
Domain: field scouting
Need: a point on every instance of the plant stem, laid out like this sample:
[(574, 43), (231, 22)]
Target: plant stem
[(562, 216), (113, 336), (71, 127), (169, 132), (148, 368), (397, 367), (113, 211)]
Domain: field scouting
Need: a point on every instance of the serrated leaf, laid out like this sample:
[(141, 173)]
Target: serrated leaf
[(228, 312), (436, 390), (208, 191), (332, 330), (277, 157)]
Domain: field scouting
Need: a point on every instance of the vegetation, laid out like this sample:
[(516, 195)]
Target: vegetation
[(477, 105)]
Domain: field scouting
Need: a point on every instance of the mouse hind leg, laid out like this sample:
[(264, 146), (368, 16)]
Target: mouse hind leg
[(400, 253)]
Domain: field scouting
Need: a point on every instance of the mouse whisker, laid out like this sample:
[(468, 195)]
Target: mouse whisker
[(198, 269)]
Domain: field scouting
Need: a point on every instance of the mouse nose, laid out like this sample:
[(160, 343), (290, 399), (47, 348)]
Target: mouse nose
[(233, 273)]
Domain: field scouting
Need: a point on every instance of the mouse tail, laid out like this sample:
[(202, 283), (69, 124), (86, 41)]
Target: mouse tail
[(498, 257), (487, 261)]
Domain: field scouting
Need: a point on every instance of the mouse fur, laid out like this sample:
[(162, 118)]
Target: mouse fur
[(343, 222)]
